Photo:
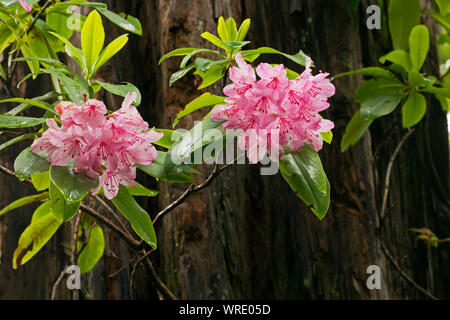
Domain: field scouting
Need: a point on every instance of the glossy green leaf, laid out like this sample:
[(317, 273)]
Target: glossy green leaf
[(403, 15), (251, 55), (181, 73), (128, 23), (61, 209), (369, 71), (222, 30), (156, 170), (438, 91), (214, 40), (41, 180), (419, 43), (28, 163), (35, 236), (169, 138), (243, 30), (399, 57), (214, 74), (59, 23), (178, 52), (73, 186), (138, 217), (73, 52), (43, 210), (110, 50), (24, 201), (140, 190), (16, 140), (205, 100), (93, 250), (19, 122), (354, 130), (374, 88), (122, 90), (378, 106), (92, 40), (327, 136), (304, 173), (413, 109)]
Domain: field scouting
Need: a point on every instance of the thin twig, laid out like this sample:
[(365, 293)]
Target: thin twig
[(57, 282), (113, 213), (405, 275), (112, 275), (160, 286), (134, 269), (108, 223), (388, 172), (191, 189)]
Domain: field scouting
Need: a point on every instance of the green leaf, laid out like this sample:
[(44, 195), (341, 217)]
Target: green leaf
[(399, 57), (28, 163), (30, 102), (181, 73), (354, 130), (304, 173), (122, 90), (156, 170), (377, 87), (35, 236), (327, 136), (206, 99), (179, 52), (215, 41), (19, 122), (444, 20), (419, 43), (72, 185), (16, 140), (415, 79), (59, 23), (188, 144), (444, 6), (73, 52), (232, 29), (369, 71), (190, 55), (128, 23), (110, 50), (437, 91), (42, 210), (24, 201), (140, 190), (379, 105), (92, 40), (139, 219), (403, 15), (243, 30), (93, 251), (413, 109), (251, 55), (169, 138), (214, 74), (41, 180), (222, 30), (61, 209)]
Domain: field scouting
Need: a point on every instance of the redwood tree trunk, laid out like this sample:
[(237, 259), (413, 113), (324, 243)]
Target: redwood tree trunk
[(249, 236)]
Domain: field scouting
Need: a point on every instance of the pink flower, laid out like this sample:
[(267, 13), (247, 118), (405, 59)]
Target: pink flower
[(274, 104), (100, 146), (25, 5)]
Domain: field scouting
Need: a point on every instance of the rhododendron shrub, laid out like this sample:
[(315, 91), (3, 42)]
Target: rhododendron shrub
[(101, 146), (83, 151)]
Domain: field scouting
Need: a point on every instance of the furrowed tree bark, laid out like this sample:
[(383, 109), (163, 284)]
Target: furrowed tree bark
[(248, 236)]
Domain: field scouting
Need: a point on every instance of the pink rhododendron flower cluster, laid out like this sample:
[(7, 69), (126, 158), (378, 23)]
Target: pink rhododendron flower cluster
[(101, 146), (258, 108)]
